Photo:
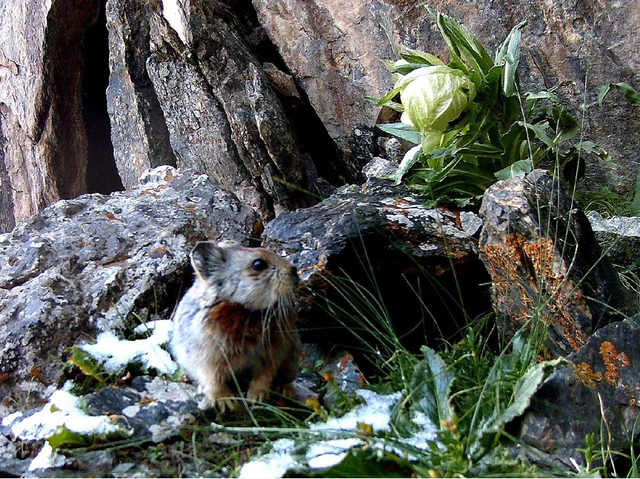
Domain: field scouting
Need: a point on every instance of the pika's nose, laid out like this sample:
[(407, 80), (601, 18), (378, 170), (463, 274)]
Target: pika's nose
[(294, 274)]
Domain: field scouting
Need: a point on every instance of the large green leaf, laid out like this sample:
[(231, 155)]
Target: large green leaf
[(418, 57), (515, 170), (465, 45), (630, 93), (524, 390), (431, 386), (402, 130), (410, 159), (539, 130), (509, 55)]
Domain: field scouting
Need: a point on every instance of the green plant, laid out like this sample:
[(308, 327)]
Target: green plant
[(470, 121)]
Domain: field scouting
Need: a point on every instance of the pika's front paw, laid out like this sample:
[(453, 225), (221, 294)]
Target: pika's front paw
[(226, 404), (257, 394), (285, 390)]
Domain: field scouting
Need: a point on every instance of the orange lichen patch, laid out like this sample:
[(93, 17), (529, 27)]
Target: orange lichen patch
[(158, 252), (150, 192), (344, 363), (327, 376), (532, 271), (458, 222), (401, 202), (145, 401), (112, 217), (612, 362), (191, 207), (318, 268), (587, 376)]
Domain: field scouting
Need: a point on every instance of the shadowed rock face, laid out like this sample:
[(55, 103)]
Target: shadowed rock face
[(43, 136), (88, 265), (543, 259), (597, 389)]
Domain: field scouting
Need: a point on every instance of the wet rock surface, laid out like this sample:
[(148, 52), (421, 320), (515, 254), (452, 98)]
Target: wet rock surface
[(87, 265), (543, 258)]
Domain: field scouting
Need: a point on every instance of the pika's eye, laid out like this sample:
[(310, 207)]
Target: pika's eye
[(259, 265)]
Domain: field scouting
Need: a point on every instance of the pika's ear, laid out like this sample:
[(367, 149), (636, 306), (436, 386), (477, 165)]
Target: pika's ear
[(208, 260)]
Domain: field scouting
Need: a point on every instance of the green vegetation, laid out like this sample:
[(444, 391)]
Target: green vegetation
[(470, 121), (471, 125)]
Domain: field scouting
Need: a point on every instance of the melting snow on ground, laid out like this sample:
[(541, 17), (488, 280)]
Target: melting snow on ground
[(115, 353), (63, 409), (375, 412)]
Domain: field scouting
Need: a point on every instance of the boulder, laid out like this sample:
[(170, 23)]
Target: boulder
[(100, 263), (597, 391), (545, 262), (618, 235), (381, 238)]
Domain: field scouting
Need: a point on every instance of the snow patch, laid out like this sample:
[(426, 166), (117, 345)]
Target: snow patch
[(63, 409), (173, 14), (274, 464), (46, 459), (376, 412), (115, 353)]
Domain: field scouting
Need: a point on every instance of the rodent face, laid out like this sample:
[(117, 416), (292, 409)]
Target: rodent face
[(254, 277)]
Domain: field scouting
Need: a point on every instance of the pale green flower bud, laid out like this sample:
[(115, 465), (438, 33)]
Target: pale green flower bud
[(433, 96)]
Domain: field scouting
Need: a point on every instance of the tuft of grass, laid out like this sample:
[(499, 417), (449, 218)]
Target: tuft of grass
[(606, 202)]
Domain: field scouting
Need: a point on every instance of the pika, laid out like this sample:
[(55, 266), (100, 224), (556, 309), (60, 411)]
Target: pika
[(238, 321)]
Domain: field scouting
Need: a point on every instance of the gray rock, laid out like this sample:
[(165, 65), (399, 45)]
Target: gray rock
[(619, 236), (43, 146), (229, 121), (383, 238), (138, 130), (597, 391), (153, 408), (90, 264), (543, 258)]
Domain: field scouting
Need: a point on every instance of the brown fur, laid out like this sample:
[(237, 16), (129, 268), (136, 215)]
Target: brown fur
[(236, 320)]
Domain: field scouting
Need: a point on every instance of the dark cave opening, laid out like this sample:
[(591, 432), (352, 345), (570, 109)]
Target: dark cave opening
[(102, 173), (427, 301)]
